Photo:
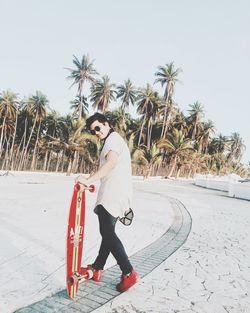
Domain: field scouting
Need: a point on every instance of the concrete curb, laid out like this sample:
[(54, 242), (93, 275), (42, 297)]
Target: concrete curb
[(92, 295)]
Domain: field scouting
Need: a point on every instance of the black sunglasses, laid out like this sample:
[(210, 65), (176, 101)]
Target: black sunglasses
[(96, 129)]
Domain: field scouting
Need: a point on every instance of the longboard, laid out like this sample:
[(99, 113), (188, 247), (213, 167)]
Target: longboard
[(75, 237)]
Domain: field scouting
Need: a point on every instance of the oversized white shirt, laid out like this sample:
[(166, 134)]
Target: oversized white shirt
[(115, 192)]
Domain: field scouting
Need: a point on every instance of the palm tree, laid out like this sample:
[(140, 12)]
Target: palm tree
[(84, 71), (53, 126), (167, 75), (127, 93), (36, 107), (8, 110), (118, 120), (219, 145), (196, 114), (236, 147), (78, 142), (207, 130), (102, 93), (8, 129), (176, 144), (80, 106), (147, 105), (148, 158), (180, 122)]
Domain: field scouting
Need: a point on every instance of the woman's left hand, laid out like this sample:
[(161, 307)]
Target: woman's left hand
[(82, 180)]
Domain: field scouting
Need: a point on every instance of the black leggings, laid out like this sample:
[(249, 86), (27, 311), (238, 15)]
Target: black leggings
[(110, 242)]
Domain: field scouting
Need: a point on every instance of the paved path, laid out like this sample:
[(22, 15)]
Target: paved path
[(210, 272), (93, 295), (33, 222)]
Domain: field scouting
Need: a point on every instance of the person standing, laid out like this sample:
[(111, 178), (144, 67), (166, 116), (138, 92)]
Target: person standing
[(113, 199)]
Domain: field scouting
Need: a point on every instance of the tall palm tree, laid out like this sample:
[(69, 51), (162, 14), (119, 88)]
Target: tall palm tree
[(147, 103), (102, 93), (36, 107), (207, 130), (54, 124), (8, 110), (84, 71), (180, 122), (127, 93), (236, 147), (8, 129), (118, 120), (76, 104), (219, 145), (167, 76), (76, 143), (196, 114)]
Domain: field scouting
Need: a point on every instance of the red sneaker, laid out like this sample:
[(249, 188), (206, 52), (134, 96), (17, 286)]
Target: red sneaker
[(127, 281), (93, 273)]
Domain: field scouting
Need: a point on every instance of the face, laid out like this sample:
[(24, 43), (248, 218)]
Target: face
[(100, 130)]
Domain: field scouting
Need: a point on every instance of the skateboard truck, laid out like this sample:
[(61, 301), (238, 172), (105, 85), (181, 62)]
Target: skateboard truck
[(79, 186), (77, 278)]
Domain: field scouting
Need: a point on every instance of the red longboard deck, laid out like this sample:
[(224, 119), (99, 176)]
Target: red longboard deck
[(75, 237)]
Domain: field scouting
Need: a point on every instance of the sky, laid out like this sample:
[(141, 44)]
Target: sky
[(208, 40)]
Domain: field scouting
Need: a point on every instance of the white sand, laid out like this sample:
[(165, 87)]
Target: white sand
[(33, 223)]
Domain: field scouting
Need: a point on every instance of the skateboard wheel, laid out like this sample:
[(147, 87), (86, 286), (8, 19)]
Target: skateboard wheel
[(91, 188), (90, 274), (73, 279)]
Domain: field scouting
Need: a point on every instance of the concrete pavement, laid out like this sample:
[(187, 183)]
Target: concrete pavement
[(209, 273)]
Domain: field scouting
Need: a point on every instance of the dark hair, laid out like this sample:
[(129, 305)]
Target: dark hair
[(96, 117)]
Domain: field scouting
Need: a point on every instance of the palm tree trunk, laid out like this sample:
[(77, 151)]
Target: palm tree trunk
[(173, 167), (168, 117), (148, 134), (81, 165), (31, 133), (165, 116), (144, 120), (1, 139), (45, 160), (69, 167), (58, 161), (63, 160), (14, 162), (80, 95), (6, 156), (13, 142), (34, 152), (48, 164), (75, 162), (24, 144)]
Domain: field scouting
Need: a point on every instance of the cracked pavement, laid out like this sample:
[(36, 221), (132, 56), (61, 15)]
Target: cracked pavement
[(211, 271)]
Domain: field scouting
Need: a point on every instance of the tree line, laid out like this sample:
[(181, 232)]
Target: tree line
[(162, 139)]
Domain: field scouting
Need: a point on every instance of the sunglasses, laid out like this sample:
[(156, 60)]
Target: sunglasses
[(96, 129)]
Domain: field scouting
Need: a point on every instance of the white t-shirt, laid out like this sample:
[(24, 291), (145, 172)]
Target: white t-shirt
[(115, 192)]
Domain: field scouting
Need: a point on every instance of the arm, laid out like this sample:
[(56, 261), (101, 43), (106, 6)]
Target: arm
[(112, 158)]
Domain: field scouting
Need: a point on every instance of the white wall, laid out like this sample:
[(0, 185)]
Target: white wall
[(227, 183)]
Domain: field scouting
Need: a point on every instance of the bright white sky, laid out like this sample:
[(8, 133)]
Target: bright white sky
[(209, 40)]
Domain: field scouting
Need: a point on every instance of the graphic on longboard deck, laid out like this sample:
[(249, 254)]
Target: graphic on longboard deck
[(75, 237)]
